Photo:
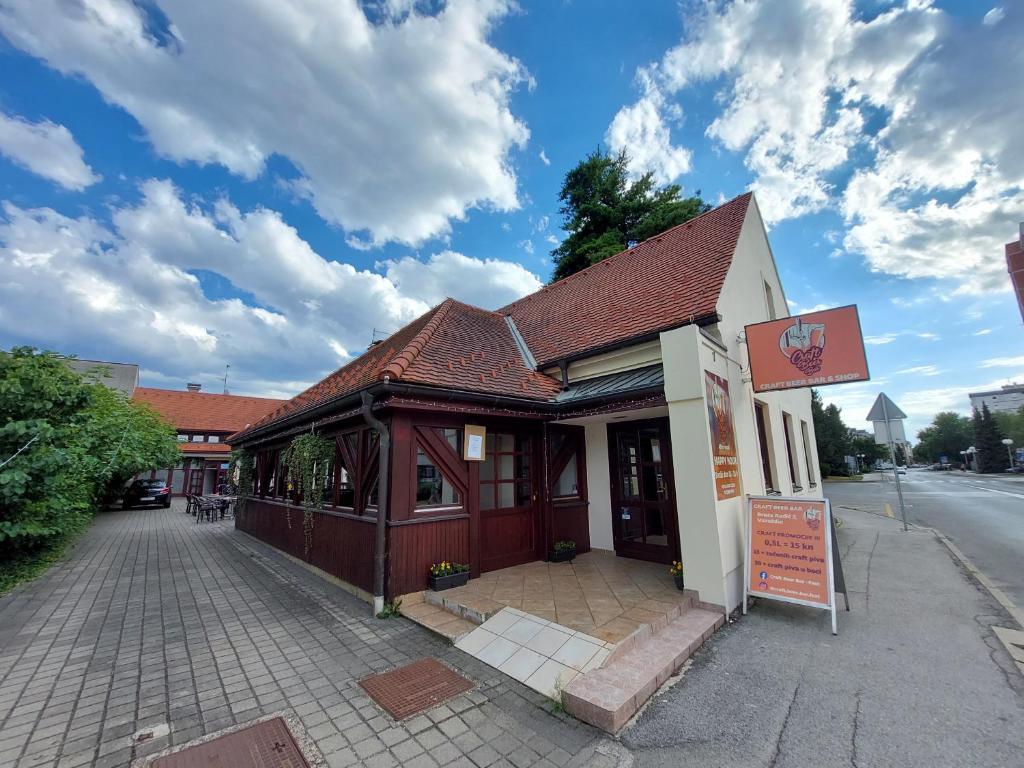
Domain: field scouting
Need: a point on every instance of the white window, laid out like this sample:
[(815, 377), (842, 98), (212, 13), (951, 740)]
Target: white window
[(213, 438), (769, 300)]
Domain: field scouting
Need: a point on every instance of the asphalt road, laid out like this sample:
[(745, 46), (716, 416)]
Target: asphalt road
[(982, 514)]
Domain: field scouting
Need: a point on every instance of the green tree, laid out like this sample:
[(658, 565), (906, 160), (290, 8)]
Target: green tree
[(988, 441), (869, 449), (947, 435), (604, 213), (1012, 425), (63, 444), (832, 436)]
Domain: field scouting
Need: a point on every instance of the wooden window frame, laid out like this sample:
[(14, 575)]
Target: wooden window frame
[(791, 457), (448, 462)]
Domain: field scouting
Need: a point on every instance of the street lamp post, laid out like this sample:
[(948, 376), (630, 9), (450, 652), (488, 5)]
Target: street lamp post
[(1008, 441)]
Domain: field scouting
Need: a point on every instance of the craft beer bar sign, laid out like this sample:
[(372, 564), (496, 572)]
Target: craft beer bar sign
[(811, 350), (789, 553)]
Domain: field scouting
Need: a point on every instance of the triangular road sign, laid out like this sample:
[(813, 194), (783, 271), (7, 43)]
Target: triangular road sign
[(880, 411)]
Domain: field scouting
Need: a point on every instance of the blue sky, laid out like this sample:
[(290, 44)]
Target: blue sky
[(186, 198)]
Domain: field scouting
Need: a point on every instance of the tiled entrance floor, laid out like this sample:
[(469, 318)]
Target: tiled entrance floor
[(543, 655), (599, 594)]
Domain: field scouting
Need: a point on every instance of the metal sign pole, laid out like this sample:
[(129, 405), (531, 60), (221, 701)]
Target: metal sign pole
[(895, 470)]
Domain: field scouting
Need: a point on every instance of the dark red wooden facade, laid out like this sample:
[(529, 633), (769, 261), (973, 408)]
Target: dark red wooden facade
[(485, 536)]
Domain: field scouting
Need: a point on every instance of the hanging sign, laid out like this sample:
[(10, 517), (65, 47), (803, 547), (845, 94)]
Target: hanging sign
[(812, 350), (473, 442), (723, 436), (789, 552)]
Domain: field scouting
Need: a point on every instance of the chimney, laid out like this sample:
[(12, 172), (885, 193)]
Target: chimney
[(193, 387)]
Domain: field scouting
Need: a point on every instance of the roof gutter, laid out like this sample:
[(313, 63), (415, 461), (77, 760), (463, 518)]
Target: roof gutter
[(275, 429), (380, 537)]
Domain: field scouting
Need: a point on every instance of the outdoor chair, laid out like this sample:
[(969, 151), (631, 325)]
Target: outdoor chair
[(206, 509)]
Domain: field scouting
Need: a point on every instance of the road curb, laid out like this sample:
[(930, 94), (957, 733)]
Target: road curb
[(1000, 597)]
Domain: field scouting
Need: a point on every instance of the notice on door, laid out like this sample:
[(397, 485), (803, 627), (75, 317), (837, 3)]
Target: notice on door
[(788, 552), (723, 436)]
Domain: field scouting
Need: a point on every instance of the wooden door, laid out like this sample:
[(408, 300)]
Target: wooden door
[(644, 521), (509, 512)]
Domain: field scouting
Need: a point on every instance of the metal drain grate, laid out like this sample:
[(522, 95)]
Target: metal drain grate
[(414, 688), (264, 745)]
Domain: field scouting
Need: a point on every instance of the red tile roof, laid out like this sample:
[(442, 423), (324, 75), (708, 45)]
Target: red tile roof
[(203, 411), (454, 345), (664, 282)]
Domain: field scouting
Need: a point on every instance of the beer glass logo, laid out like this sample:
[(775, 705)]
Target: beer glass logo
[(804, 343)]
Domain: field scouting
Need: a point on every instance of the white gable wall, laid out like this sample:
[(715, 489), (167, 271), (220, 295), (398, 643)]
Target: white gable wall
[(711, 531)]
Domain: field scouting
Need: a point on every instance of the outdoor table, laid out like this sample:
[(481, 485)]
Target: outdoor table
[(222, 501)]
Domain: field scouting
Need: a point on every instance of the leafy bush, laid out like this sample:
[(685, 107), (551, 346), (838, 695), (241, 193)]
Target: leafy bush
[(65, 445), (564, 546)]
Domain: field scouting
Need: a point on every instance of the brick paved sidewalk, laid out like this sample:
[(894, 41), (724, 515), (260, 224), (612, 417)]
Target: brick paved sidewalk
[(154, 620)]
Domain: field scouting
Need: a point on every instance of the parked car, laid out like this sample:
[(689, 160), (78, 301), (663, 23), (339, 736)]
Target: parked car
[(146, 492), (901, 470)]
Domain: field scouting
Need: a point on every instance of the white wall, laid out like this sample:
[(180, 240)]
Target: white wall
[(742, 302), (711, 531), (599, 488)]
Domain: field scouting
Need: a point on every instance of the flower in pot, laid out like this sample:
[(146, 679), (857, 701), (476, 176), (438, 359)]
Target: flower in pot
[(563, 551), (676, 571), (446, 574)]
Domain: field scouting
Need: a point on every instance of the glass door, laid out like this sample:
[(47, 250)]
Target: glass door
[(644, 522)]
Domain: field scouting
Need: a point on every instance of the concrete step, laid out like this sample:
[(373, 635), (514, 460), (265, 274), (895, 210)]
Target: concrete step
[(477, 613), (435, 618), (609, 696)]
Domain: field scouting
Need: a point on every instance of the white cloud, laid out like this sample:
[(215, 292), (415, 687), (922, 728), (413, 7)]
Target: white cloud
[(544, 158), (919, 370), (1003, 362), (642, 130), (982, 332), (490, 283), (797, 310), (912, 100), (46, 149), (395, 127), (994, 16), (128, 289), (886, 338), (526, 245)]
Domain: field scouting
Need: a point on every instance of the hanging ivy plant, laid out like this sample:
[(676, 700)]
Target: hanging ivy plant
[(244, 463), (307, 459)]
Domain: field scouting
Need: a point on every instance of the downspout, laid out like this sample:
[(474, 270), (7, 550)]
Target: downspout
[(383, 481)]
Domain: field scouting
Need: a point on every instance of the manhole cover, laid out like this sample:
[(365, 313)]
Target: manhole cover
[(264, 745), (416, 687)]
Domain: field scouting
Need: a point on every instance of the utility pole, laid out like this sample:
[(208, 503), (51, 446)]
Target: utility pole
[(886, 411), (226, 369)]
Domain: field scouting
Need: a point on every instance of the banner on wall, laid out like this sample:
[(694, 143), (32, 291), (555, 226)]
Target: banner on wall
[(723, 436), (812, 350), (791, 555)]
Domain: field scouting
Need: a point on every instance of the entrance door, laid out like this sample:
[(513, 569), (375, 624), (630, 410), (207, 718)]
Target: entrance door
[(644, 522), (509, 514)]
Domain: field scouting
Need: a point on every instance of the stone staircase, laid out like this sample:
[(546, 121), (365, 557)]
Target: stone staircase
[(606, 697), (609, 696)]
